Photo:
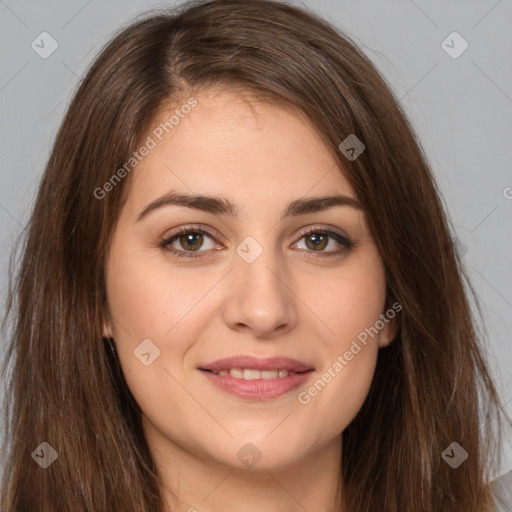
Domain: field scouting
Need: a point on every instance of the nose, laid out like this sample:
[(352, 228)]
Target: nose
[(260, 301)]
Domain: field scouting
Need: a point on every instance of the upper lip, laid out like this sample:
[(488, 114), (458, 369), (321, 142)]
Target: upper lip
[(250, 362)]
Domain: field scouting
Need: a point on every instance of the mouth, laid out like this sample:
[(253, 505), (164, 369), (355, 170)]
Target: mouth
[(257, 379), (254, 374)]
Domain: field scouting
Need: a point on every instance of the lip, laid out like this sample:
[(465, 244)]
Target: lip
[(258, 389), (255, 363)]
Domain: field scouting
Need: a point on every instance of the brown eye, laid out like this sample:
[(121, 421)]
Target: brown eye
[(191, 241), (316, 241), (324, 243)]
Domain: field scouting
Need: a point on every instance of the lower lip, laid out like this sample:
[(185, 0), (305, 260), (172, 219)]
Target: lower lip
[(258, 389)]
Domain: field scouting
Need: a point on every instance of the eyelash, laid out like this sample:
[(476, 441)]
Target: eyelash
[(185, 230)]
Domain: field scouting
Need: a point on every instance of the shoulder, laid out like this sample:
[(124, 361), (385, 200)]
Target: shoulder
[(502, 490)]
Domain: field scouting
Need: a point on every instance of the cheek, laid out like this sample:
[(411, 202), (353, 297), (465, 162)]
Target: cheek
[(150, 302), (349, 304), (148, 298), (349, 301), (340, 394), (341, 385), (171, 309)]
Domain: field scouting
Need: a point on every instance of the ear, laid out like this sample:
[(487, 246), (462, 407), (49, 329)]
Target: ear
[(107, 329), (388, 332)]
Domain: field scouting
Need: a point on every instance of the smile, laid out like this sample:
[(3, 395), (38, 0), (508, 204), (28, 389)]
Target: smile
[(253, 374), (251, 384)]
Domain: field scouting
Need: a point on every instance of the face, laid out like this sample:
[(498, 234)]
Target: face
[(286, 286)]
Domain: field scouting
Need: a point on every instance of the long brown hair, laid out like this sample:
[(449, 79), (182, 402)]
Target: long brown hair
[(65, 387)]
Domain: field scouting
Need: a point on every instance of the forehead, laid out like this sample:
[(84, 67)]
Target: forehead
[(234, 145)]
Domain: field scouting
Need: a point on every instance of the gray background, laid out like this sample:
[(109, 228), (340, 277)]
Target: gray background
[(461, 109)]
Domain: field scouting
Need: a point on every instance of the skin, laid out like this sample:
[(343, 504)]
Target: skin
[(218, 305)]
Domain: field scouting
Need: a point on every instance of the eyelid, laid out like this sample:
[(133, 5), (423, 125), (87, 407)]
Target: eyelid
[(330, 231), (323, 229), (196, 228)]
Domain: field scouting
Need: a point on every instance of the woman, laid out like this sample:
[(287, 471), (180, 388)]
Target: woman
[(239, 287)]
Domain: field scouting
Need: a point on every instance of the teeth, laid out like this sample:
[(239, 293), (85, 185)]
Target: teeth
[(236, 373), (252, 374)]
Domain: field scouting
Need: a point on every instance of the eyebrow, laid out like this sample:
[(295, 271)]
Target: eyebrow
[(220, 205)]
